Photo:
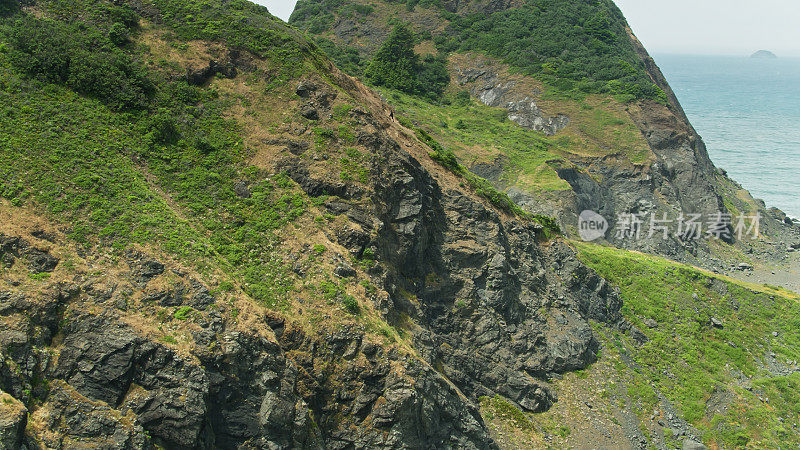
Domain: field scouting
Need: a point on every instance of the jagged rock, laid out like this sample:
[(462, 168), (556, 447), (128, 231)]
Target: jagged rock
[(41, 261), (10, 248), (352, 239), (304, 89), (202, 298), (169, 297), (70, 421), (13, 418), (202, 76), (344, 271), (486, 84), (309, 112), (242, 189), (444, 246), (105, 361), (315, 186), (650, 323), (527, 114), (716, 323), (143, 269), (13, 247)]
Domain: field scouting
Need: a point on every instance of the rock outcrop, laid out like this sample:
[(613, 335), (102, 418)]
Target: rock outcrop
[(485, 84), (13, 418)]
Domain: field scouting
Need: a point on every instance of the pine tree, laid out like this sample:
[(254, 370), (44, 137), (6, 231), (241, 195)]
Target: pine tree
[(395, 63)]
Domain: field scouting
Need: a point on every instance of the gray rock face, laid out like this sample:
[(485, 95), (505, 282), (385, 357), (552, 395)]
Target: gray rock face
[(107, 362), (527, 114), (72, 421), (486, 85), (14, 247), (13, 417), (495, 311), (689, 444), (112, 388)]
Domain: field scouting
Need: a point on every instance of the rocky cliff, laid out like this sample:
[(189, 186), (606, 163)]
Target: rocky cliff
[(409, 295), (655, 165), (211, 237)]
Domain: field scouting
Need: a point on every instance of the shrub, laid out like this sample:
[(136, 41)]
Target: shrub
[(183, 313), (351, 304), (81, 58), (119, 34)]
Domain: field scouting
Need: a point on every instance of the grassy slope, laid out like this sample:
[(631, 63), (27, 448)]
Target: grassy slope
[(103, 173), (576, 46), (687, 359), (733, 384), (478, 134), (164, 176)]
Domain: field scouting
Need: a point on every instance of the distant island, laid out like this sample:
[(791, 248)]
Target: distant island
[(764, 54)]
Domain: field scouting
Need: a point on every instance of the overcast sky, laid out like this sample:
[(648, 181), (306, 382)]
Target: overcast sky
[(737, 27), (280, 8)]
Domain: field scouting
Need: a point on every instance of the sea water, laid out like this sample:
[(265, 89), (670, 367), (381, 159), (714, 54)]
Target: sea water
[(748, 113)]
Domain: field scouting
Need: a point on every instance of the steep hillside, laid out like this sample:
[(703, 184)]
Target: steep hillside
[(211, 237), (598, 127)]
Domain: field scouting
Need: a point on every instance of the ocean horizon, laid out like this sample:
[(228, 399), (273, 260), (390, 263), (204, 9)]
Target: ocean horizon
[(748, 113)]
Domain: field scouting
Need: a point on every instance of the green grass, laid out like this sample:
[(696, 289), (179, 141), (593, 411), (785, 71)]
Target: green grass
[(498, 408), (482, 187), (162, 175), (686, 358), (488, 130)]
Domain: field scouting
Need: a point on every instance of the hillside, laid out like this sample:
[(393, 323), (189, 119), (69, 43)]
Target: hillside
[(597, 125), (212, 237)]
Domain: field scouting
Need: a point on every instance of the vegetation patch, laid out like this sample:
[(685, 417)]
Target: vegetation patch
[(396, 66), (498, 407), (688, 359), (116, 168)]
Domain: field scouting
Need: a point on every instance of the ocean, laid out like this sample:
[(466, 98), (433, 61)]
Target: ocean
[(748, 113)]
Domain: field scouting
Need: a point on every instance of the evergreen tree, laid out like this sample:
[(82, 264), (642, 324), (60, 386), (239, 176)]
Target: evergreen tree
[(395, 64)]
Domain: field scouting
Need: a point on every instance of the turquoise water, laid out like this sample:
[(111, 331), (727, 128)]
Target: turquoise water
[(748, 113)]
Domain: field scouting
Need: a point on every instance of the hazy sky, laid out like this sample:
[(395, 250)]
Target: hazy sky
[(280, 8), (716, 26), (737, 27)]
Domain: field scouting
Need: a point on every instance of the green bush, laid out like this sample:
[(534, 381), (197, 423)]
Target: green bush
[(7, 7), (346, 58), (183, 313), (351, 305), (81, 58), (118, 34)]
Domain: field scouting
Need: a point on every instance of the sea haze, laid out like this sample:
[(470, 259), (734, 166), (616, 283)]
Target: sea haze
[(748, 112)]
